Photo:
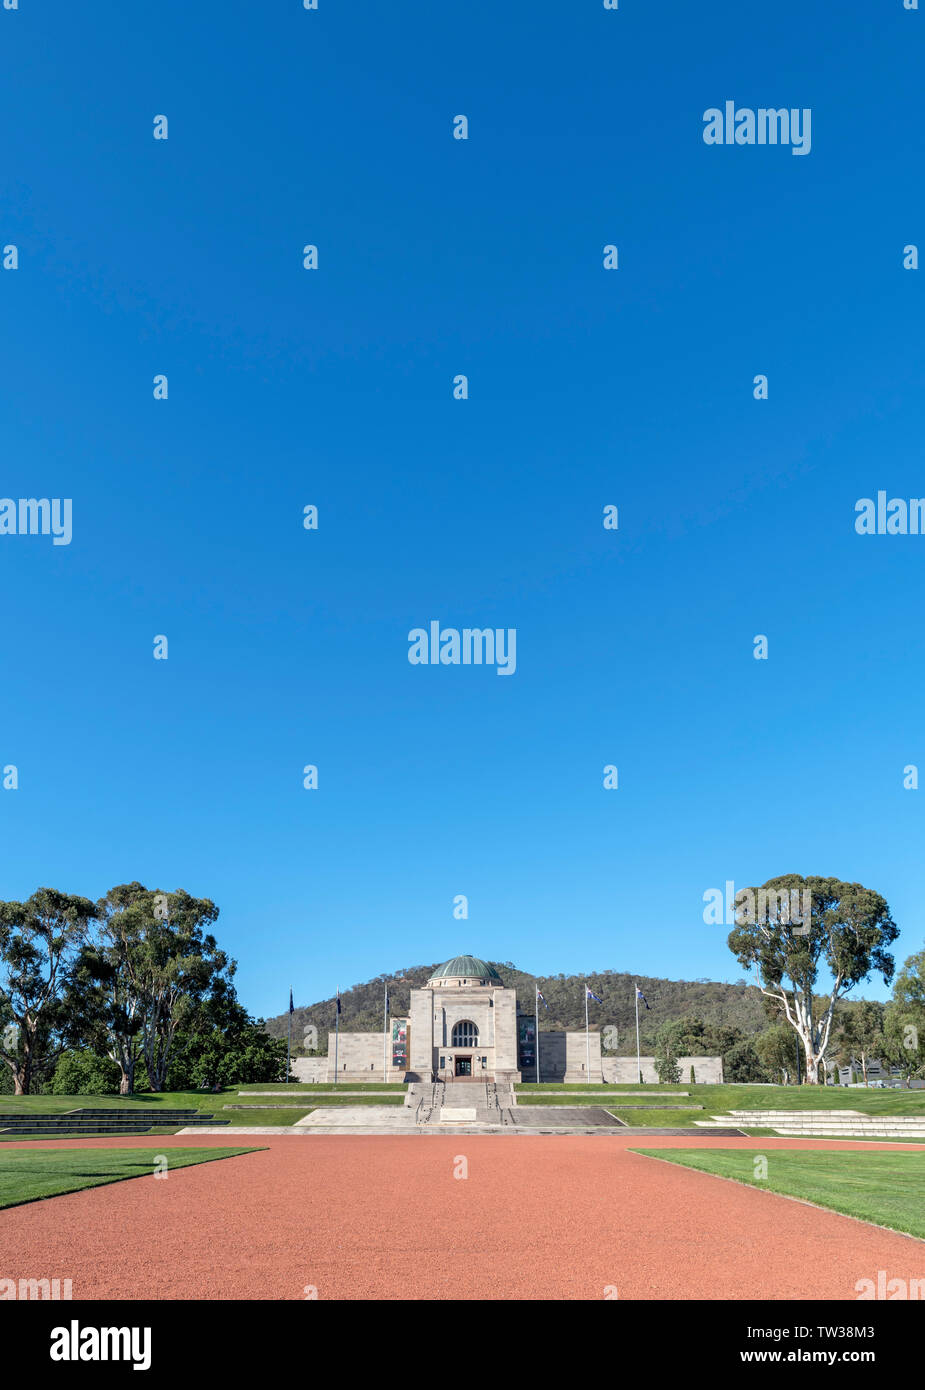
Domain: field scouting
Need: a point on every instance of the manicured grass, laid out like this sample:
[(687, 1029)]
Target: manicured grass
[(206, 1101), (316, 1087), (336, 1098), (719, 1100), (27, 1175), (657, 1118), (282, 1115), (612, 1102), (885, 1188), (223, 1105)]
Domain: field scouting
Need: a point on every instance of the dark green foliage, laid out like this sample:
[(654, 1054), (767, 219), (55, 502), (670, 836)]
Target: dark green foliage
[(846, 934), (39, 943), (223, 1046), (82, 1073), (742, 1064)]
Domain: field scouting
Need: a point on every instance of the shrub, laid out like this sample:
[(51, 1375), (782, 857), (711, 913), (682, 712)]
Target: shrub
[(85, 1074)]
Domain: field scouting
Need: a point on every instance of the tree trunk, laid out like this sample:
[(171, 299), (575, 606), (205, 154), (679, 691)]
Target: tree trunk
[(22, 1072), (812, 1066)]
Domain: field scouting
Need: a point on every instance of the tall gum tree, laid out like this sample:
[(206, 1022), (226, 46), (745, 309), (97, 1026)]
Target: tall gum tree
[(113, 988), (174, 963), (152, 965), (848, 933), (40, 940), (904, 1019)]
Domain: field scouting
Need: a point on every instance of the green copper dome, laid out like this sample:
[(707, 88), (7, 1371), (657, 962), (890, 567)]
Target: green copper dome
[(466, 968)]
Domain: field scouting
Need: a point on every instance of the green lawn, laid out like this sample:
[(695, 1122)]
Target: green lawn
[(223, 1105), (612, 1102), (319, 1087), (719, 1100), (656, 1118), (885, 1188), (27, 1175)]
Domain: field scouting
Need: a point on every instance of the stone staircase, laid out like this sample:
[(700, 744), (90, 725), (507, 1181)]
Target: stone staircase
[(462, 1103), (823, 1124), (426, 1099)]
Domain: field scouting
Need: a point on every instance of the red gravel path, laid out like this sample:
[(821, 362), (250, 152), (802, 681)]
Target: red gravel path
[(384, 1217)]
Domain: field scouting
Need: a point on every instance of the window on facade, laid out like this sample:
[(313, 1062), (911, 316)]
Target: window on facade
[(465, 1034)]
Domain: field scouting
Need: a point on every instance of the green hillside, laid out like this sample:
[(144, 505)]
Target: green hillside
[(719, 1005)]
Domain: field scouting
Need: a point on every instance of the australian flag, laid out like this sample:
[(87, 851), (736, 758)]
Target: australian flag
[(640, 995), (545, 1005), (592, 995), (291, 1005)]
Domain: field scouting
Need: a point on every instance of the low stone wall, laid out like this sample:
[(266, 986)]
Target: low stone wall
[(310, 1068), (360, 1059), (707, 1070)]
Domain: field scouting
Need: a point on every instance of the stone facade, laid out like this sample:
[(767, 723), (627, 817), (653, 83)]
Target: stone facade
[(443, 1046), (464, 1025)]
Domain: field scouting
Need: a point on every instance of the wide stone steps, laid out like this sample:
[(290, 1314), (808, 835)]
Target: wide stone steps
[(823, 1124), (101, 1121), (460, 1103)]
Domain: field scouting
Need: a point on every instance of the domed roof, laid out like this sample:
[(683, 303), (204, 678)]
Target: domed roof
[(466, 968)]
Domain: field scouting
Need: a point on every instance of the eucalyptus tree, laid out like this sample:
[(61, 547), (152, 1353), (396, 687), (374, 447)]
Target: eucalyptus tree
[(791, 928), (154, 963), (40, 1007)]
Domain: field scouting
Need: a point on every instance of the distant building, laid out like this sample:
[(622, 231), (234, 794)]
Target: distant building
[(464, 1024)]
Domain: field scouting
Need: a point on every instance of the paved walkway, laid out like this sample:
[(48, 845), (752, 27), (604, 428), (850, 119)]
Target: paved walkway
[(390, 1218)]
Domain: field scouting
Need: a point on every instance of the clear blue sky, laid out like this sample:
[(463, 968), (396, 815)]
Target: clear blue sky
[(587, 387)]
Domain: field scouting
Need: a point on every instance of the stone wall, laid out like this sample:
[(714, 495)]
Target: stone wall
[(310, 1068), (563, 1057), (707, 1070), (359, 1058)]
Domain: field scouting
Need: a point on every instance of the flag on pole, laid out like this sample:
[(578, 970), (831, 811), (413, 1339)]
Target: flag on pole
[(545, 1005), (337, 1002), (640, 995), (592, 995), (291, 1005)]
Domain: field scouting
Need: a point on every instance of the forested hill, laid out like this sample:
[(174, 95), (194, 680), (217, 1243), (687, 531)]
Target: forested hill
[(737, 1006)]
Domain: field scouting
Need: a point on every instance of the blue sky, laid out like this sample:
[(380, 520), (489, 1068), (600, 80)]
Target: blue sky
[(334, 387)]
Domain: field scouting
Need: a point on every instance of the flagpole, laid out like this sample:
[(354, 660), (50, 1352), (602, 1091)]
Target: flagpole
[(587, 1036), (336, 1031), (638, 1062), (289, 1040), (385, 1036), (536, 1002)]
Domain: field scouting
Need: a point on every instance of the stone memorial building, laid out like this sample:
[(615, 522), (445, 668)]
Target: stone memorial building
[(466, 1024)]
